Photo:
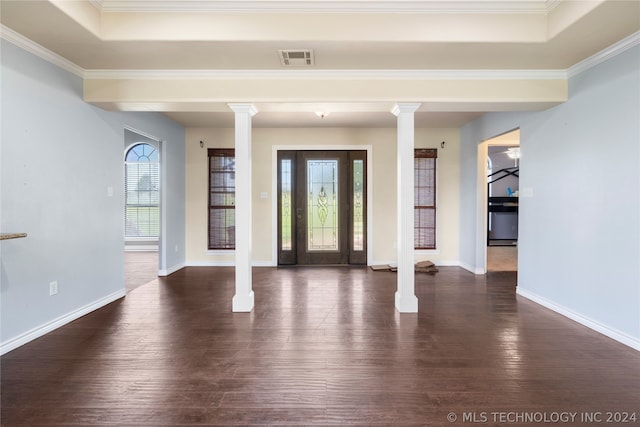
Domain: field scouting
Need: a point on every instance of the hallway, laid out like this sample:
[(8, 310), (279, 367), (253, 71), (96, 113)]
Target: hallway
[(323, 346), (140, 268), (502, 258)]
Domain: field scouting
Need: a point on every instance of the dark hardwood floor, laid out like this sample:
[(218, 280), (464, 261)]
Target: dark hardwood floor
[(323, 346)]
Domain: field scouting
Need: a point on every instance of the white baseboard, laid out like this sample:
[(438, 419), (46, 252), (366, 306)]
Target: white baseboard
[(171, 270), (210, 263), (228, 264), (445, 263), (619, 336), (39, 331), (472, 269), (264, 264)]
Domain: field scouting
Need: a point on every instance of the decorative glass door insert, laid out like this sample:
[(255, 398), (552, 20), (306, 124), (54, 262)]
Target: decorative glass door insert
[(322, 205)]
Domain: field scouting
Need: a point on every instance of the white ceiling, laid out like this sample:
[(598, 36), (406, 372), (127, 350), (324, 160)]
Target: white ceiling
[(345, 35)]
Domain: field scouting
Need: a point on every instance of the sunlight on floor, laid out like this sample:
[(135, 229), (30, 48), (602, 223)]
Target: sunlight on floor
[(502, 258)]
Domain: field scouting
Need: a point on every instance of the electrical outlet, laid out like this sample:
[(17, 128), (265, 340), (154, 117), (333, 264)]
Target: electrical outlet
[(53, 288)]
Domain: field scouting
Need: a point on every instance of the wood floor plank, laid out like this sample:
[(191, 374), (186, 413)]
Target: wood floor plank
[(323, 346)]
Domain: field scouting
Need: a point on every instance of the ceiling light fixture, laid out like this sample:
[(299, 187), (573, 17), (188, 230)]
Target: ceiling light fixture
[(513, 152), (322, 114)]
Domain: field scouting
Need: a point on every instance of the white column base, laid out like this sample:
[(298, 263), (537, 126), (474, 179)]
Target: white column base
[(406, 303), (242, 303)]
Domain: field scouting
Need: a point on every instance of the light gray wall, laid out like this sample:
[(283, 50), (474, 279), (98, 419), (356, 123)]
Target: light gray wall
[(579, 241), (59, 156)]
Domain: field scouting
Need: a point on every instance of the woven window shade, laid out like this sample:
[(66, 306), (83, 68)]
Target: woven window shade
[(222, 227), (425, 198)]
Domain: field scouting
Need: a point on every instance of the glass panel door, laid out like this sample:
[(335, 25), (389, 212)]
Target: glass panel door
[(321, 207)]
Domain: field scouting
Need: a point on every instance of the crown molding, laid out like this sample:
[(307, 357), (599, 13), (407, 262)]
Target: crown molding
[(98, 4), (325, 74), (328, 6), (32, 47), (608, 53), (552, 4)]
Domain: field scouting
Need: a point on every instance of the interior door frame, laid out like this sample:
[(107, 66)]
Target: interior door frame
[(274, 191), (162, 232), (482, 216)]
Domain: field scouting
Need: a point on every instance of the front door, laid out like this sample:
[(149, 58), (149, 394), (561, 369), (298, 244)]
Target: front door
[(321, 207)]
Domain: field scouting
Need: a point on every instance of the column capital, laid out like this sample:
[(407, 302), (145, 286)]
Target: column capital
[(244, 108), (405, 107)]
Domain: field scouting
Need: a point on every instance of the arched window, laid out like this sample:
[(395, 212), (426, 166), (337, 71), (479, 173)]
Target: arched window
[(142, 191)]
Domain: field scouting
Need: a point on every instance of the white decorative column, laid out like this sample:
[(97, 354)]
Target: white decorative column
[(243, 299), (406, 300)]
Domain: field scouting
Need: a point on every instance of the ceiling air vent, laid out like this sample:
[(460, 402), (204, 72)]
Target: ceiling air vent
[(296, 58)]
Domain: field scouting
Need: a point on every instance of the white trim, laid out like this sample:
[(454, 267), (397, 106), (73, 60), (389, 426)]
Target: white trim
[(438, 263), (98, 4), (552, 4), (228, 264), (144, 135), (44, 329), (263, 264), (343, 6), (171, 270), (326, 74), (221, 252), (32, 47), (604, 55), (612, 333), (472, 269), (140, 239), (210, 263), (447, 263), (274, 202), (141, 248), (386, 262), (427, 251)]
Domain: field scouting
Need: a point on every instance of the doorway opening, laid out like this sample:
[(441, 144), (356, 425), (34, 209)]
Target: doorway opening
[(322, 207), (502, 155), (141, 208)]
